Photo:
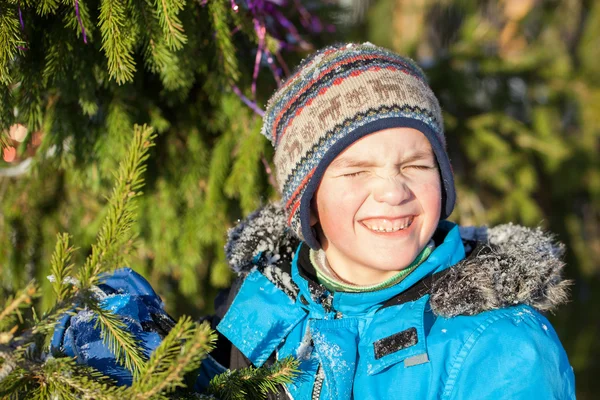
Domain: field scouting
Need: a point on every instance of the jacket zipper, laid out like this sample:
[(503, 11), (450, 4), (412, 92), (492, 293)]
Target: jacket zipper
[(320, 375), (316, 393)]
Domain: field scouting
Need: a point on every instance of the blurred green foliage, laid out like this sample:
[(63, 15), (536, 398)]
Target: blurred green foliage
[(519, 84), (171, 65)]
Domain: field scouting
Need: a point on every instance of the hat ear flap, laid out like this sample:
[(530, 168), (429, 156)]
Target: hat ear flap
[(314, 212)]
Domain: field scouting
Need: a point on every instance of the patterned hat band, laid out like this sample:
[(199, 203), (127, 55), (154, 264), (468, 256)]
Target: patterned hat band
[(339, 95)]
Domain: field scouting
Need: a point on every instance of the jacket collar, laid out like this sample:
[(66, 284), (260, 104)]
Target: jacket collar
[(448, 253), (524, 266)]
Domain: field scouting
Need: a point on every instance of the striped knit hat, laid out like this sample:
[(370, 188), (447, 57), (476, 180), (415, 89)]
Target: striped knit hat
[(335, 97)]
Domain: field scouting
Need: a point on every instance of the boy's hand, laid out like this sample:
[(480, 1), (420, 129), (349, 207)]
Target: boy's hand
[(129, 295)]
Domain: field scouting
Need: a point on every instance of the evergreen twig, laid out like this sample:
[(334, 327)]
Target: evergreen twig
[(117, 41), (219, 16), (115, 231), (72, 381), (253, 383), (61, 267), (119, 340), (9, 41), (4, 139), (46, 7), (14, 304), (166, 11), (180, 352)]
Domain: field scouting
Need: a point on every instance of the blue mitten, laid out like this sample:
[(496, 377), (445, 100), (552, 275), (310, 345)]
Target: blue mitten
[(128, 295)]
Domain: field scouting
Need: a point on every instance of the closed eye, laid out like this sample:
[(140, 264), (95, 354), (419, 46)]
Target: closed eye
[(420, 167), (354, 174)]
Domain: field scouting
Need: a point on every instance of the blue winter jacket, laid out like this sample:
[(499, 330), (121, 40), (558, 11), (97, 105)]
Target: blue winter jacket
[(455, 328), (458, 327)]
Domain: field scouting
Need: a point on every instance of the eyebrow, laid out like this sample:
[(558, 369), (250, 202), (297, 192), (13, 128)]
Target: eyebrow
[(350, 163)]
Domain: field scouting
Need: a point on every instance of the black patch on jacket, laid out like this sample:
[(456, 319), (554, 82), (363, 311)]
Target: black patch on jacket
[(396, 342)]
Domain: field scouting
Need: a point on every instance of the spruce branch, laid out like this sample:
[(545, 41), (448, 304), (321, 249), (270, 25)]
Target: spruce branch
[(243, 182), (13, 305), (80, 21), (9, 41), (13, 382), (46, 7), (7, 363), (159, 56), (44, 325), (117, 40), (115, 232), (213, 215), (254, 383), (166, 11), (61, 267), (180, 352), (4, 139), (117, 337), (72, 381), (219, 14)]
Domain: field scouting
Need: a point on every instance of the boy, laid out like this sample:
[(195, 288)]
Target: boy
[(358, 274), (374, 291)]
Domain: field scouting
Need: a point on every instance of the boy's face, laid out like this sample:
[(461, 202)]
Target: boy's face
[(378, 205)]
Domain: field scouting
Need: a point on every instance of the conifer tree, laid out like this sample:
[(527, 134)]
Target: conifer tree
[(76, 75), (30, 370)]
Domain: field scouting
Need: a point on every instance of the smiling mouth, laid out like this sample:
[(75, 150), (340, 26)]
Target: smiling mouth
[(388, 225)]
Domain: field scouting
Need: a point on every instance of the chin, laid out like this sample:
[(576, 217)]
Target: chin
[(390, 262)]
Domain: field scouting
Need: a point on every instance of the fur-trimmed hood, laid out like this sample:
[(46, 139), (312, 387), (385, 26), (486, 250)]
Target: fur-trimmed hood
[(516, 264)]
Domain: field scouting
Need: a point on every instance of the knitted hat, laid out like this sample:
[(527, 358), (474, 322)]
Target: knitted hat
[(335, 97)]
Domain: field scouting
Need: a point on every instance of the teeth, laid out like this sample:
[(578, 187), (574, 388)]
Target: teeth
[(388, 226)]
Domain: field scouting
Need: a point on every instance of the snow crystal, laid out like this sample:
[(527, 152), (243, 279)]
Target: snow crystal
[(71, 280), (272, 259), (98, 293), (83, 316), (306, 346), (262, 230), (332, 354), (66, 280)]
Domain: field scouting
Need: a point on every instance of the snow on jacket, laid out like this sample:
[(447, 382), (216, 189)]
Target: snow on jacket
[(457, 327)]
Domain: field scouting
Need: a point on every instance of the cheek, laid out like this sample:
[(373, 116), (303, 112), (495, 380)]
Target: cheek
[(337, 206), (429, 195)]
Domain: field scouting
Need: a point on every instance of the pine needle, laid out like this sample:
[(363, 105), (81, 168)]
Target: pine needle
[(117, 40), (116, 233), (166, 12), (219, 13), (180, 352), (61, 267), (4, 140), (13, 383), (45, 7), (13, 305), (71, 381), (254, 383), (9, 41), (119, 340)]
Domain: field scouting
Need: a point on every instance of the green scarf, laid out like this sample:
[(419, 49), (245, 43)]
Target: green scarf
[(327, 277)]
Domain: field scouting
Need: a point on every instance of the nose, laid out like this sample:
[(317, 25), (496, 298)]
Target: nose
[(393, 191)]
